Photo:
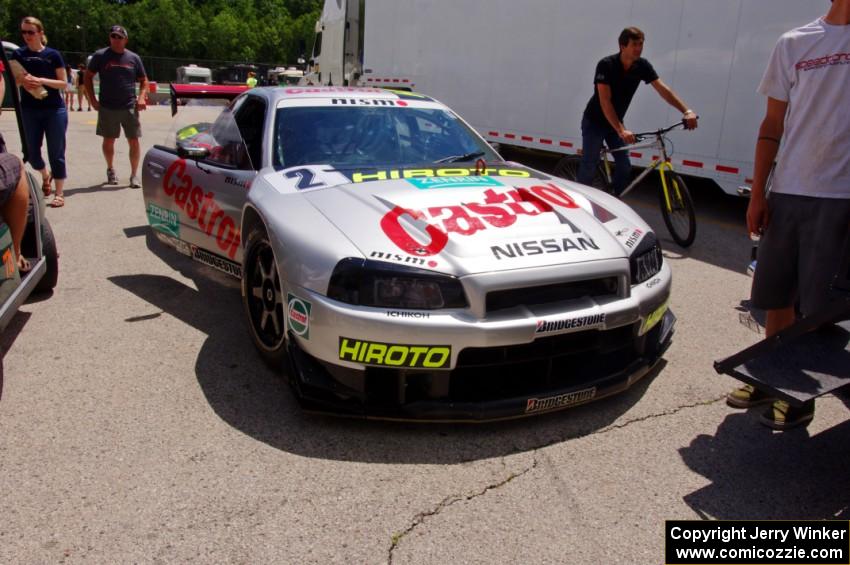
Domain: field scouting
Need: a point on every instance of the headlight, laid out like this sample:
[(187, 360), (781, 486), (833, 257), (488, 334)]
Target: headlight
[(646, 260), (371, 283)]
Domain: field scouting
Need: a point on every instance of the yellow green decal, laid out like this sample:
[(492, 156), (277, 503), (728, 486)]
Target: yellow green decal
[(395, 174), (653, 318), (394, 354)]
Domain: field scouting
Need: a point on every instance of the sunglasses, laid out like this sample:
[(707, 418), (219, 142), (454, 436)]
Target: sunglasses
[(115, 36), (28, 32)]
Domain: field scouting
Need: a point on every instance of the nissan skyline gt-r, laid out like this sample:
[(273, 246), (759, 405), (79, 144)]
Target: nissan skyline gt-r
[(395, 266)]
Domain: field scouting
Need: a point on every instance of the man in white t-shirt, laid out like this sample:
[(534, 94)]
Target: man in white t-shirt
[(807, 218)]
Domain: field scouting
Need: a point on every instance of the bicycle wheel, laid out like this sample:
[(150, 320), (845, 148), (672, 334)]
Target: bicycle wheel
[(680, 216), (567, 168)]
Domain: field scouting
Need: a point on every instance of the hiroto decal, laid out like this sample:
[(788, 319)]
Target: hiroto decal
[(560, 401), (395, 174), (298, 313), (395, 354)]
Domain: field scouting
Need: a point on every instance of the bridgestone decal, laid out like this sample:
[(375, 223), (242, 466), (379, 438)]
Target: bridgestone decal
[(395, 354), (216, 262), (560, 401)]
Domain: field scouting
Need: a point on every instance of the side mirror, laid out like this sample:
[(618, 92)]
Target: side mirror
[(189, 152)]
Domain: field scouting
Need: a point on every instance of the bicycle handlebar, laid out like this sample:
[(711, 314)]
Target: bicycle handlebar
[(659, 132)]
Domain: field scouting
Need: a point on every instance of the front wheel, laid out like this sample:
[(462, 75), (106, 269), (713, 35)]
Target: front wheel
[(679, 215), (263, 299), (568, 166), (51, 254)]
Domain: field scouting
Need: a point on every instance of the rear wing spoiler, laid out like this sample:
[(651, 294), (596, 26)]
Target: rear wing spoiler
[(219, 91)]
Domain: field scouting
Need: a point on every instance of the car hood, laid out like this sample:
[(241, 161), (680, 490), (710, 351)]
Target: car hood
[(472, 224)]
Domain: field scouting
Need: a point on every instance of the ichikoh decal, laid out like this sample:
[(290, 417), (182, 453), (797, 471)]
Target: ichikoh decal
[(298, 314)]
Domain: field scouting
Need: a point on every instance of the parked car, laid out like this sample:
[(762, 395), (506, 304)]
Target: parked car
[(395, 266)]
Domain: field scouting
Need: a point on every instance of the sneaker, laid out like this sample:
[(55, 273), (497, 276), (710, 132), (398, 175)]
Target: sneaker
[(134, 182), (111, 177), (747, 396), (782, 416)]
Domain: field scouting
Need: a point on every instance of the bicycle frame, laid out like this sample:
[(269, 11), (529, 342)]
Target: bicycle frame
[(662, 164)]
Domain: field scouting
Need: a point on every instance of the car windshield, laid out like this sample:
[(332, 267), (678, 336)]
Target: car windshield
[(358, 136)]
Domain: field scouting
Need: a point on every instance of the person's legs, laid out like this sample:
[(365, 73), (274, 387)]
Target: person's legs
[(109, 128), (622, 163), (108, 148), (14, 209), (56, 128), (135, 153), (133, 131), (34, 129), (591, 145)]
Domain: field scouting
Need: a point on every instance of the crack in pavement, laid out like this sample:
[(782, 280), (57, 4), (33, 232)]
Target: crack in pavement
[(449, 501), (452, 499), (658, 415)]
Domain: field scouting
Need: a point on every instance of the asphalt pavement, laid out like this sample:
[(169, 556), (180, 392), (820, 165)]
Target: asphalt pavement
[(137, 423)]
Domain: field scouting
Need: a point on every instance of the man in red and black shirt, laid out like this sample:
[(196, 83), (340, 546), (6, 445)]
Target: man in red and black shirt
[(615, 82)]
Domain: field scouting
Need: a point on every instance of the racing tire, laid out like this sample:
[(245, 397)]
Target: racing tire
[(681, 218), (263, 300), (51, 255), (567, 167)]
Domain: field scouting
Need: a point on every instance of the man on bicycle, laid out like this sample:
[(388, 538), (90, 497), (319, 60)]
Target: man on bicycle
[(615, 82)]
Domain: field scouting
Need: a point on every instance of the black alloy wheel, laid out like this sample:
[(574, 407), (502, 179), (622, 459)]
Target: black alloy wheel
[(263, 299)]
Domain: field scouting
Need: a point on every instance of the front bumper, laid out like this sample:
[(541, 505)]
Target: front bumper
[(488, 383)]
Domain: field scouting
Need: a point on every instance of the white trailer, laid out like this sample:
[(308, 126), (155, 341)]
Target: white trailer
[(193, 74), (522, 72)]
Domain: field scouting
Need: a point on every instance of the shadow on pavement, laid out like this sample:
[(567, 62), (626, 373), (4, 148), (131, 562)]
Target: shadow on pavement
[(8, 337), (257, 401), (102, 187), (756, 473)]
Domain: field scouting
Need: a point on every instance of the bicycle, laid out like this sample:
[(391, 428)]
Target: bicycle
[(677, 207)]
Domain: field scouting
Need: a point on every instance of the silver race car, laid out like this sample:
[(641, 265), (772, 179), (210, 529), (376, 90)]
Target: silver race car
[(397, 267)]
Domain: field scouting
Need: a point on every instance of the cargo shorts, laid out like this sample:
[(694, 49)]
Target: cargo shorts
[(800, 252), (110, 122)]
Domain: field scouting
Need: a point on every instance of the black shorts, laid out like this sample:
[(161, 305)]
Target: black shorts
[(800, 251), (10, 175)]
